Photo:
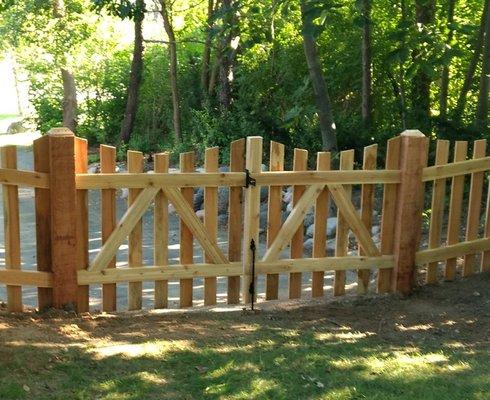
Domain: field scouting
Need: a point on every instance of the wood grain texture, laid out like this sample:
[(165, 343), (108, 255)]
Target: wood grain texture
[(474, 206), (160, 232), (187, 164), (235, 217), (135, 239), (108, 217), (342, 235), (11, 228), (388, 213), (437, 208), (300, 163), (320, 231), (485, 257), (274, 214), (455, 209)]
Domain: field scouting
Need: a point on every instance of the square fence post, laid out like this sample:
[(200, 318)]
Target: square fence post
[(63, 201), (409, 208)]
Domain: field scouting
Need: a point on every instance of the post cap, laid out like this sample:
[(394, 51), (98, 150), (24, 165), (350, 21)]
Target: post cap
[(60, 132), (412, 132)]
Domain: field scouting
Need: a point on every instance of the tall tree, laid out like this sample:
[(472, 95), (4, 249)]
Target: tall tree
[(366, 52), (172, 51), (206, 56), (481, 120), (443, 94), (322, 99)]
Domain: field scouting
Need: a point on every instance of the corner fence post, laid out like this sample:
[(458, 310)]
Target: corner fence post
[(251, 215), (409, 208), (63, 218)]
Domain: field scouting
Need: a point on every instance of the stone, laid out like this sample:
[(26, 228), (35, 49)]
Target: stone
[(375, 229), (309, 219), (224, 168), (198, 199), (263, 220), (200, 214), (308, 247), (223, 197), (331, 226)]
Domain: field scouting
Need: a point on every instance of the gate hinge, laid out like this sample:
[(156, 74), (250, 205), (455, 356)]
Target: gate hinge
[(249, 181)]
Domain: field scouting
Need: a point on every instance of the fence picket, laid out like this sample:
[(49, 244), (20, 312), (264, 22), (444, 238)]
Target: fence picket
[(11, 228), (320, 231), (474, 206), (300, 163), (135, 257), (211, 164), (437, 208), (485, 257), (235, 218), (108, 211), (367, 200), (187, 164), (342, 236)]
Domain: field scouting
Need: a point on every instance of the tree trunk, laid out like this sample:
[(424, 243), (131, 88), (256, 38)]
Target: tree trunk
[(69, 100), (206, 56), (322, 99), (481, 120), (172, 51), (134, 81), (367, 111), (445, 69), (470, 73)]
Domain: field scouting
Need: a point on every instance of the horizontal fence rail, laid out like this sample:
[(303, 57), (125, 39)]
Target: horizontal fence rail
[(285, 234)]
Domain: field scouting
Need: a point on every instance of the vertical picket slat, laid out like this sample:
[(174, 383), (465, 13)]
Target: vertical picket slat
[(211, 161), (135, 256), (11, 228), (388, 213), (43, 221), (160, 232), (455, 208), (108, 211), (251, 217), (320, 232), (276, 163), (300, 163), (367, 200), (235, 218), (485, 257), (187, 164), (81, 166), (342, 236), (437, 208), (474, 206)]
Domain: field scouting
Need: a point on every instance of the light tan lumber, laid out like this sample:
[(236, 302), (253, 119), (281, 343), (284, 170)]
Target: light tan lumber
[(149, 273), (135, 239), (300, 163), (108, 216), (437, 208), (367, 201), (174, 179), (455, 209), (211, 164), (388, 214), (160, 232), (342, 234), (81, 166), (320, 231), (43, 221), (125, 227), (187, 164), (9, 176), (293, 222), (11, 228), (462, 167), (474, 206), (410, 204), (274, 214), (19, 278), (452, 251), (63, 217), (235, 218), (253, 162), (344, 177), (485, 257)]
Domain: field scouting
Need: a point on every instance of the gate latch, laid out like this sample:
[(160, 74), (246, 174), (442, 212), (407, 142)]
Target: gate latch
[(249, 181)]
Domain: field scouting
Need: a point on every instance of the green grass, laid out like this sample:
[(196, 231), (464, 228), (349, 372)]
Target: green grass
[(7, 116)]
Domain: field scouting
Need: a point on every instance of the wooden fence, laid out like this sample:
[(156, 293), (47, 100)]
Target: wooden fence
[(65, 271)]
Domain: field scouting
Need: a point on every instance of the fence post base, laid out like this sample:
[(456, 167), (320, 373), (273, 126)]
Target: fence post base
[(409, 208)]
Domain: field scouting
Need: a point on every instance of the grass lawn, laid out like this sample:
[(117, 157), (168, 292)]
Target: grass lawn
[(433, 345)]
